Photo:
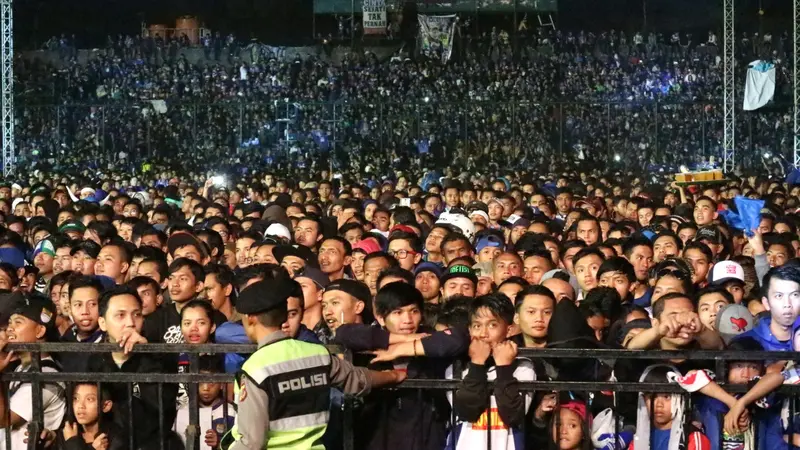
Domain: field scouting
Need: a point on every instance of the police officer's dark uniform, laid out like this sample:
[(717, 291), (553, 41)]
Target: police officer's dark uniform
[(283, 389)]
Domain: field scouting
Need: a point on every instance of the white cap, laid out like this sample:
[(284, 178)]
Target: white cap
[(725, 271), (478, 212), (278, 230)]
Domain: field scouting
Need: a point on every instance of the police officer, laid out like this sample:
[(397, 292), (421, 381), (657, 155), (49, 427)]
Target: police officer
[(283, 389)]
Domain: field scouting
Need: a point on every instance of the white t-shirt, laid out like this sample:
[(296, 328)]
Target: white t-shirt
[(53, 401), (211, 418), (473, 436)]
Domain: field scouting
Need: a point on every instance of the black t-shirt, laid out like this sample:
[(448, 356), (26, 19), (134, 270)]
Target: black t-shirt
[(147, 398), (164, 325)]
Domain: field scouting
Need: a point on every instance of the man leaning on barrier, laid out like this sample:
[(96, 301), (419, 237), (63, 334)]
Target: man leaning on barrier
[(283, 389)]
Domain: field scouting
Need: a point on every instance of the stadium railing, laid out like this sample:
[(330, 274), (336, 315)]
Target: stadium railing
[(192, 378), (668, 132)]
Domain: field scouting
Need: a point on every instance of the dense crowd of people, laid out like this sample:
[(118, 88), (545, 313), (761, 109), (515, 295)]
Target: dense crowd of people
[(460, 218), (544, 94), (432, 278)]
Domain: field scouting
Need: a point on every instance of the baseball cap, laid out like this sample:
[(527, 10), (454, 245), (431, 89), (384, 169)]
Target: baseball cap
[(299, 251), (72, 225), (428, 267), (489, 240), (264, 296), (367, 246), (459, 271), (520, 222), (733, 320), (479, 213), (482, 269), (8, 301), (725, 271), (401, 227), (495, 200), (572, 280), (44, 246), (278, 230), (709, 234), (355, 288), (36, 307), (12, 256), (184, 239), (315, 275), (477, 205)]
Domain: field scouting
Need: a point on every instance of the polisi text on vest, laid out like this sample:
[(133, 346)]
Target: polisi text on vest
[(300, 383)]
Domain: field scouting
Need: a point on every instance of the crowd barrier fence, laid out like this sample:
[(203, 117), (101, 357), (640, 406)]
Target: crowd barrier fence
[(619, 133), (192, 378)]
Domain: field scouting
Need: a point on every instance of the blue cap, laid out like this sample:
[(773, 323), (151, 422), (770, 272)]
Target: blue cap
[(648, 234), (428, 267), (12, 256), (489, 240)]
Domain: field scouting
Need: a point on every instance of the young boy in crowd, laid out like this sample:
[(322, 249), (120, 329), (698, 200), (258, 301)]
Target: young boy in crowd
[(217, 416), (185, 282), (768, 383), (618, 273), (493, 357), (587, 263), (534, 308), (730, 276), (709, 302), (149, 291), (661, 418), (712, 407)]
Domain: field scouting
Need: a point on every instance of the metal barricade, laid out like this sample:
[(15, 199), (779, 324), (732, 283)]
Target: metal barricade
[(38, 379)]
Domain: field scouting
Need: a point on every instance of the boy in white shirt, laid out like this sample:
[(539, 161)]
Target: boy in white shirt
[(217, 416)]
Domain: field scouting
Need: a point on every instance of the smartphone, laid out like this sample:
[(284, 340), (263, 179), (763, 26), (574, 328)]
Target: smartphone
[(405, 202)]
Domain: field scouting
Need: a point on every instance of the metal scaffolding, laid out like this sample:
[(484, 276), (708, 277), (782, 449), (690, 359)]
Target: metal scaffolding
[(729, 144), (796, 84), (7, 99)]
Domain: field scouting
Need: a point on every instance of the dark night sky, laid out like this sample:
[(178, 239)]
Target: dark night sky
[(277, 21)]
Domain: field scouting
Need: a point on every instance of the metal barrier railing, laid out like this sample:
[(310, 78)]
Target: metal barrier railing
[(664, 131), (37, 379)]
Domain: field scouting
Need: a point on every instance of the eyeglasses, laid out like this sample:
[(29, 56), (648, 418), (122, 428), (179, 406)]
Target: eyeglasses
[(401, 254)]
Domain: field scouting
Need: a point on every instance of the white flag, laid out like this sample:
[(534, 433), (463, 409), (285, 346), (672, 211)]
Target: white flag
[(760, 85)]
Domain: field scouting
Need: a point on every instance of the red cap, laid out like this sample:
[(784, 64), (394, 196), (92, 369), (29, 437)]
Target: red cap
[(578, 408), (367, 246), (400, 227)]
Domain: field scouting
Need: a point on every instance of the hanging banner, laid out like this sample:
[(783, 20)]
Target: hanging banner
[(436, 36), (760, 85), (374, 16)]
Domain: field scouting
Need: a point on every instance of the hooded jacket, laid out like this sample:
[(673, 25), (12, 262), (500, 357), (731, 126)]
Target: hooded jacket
[(568, 329), (277, 214), (764, 336)]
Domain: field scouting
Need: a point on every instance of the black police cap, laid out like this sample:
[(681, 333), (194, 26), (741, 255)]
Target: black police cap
[(267, 295)]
